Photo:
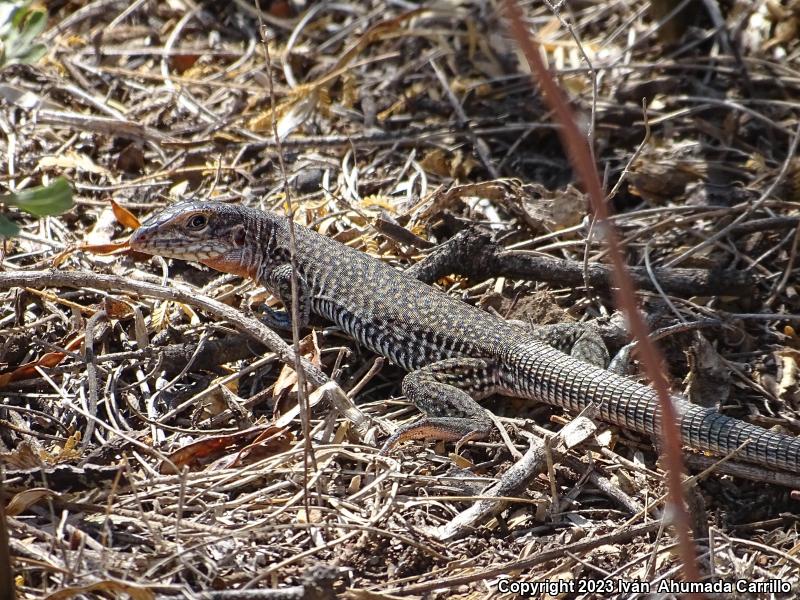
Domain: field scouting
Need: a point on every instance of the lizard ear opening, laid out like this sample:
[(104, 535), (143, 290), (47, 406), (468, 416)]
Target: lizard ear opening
[(239, 235)]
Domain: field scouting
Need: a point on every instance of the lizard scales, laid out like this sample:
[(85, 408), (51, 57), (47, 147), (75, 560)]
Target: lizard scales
[(455, 353)]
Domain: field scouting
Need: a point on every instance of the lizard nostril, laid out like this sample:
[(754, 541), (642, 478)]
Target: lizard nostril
[(137, 237)]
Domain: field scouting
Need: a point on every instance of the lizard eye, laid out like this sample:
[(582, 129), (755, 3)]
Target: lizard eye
[(197, 222)]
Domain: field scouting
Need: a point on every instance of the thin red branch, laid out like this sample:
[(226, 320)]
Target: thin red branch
[(581, 159)]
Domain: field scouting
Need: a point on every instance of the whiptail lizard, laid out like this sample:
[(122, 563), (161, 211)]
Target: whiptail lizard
[(455, 353)]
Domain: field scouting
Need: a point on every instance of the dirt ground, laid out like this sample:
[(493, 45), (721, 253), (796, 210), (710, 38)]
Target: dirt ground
[(390, 126)]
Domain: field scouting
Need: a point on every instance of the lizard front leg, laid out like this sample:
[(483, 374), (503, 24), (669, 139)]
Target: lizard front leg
[(279, 282), (446, 391)]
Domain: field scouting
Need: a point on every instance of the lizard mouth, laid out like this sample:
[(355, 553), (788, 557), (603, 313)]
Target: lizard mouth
[(208, 252), (148, 240)]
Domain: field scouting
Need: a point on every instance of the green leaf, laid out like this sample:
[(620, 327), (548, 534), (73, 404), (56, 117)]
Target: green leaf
[(35, 21), (8, 228), (31, 54), (32, 25), (18, 12), (19, 26), (43, 201)]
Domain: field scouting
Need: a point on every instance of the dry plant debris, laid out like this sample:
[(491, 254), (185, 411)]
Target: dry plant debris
[(153, 449)]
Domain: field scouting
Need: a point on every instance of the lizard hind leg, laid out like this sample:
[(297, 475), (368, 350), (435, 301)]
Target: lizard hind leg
[(580, 340), (446, 391)]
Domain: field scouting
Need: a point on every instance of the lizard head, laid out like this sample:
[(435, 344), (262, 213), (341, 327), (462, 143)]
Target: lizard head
[(211, 233)]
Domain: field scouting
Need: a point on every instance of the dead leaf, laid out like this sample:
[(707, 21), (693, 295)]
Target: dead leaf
[(160, 317), (98, 240), (47, 361), (378, 201), (131, 159), (287, 380), (190, 313), (179, 189), (659, 177), (262, 440), (297, 114), (25, 456), (110, 249), (540, 209), (354, 485), (124, 216), (213, 403), (282, 9), (70, 450), (787, 386), (290, 415), (73, 160), (552, 210), (623, 482), (454, 164), (20, 502), (272, 441), (604, 439), (117, 309), (182, 62), (785, 31), (115, 589), (577, 431), (460, 461), (435, 162), (341, 432), (314, 516)]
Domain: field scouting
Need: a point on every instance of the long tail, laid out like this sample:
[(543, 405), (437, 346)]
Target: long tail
[(547, 375), (707, 429)]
